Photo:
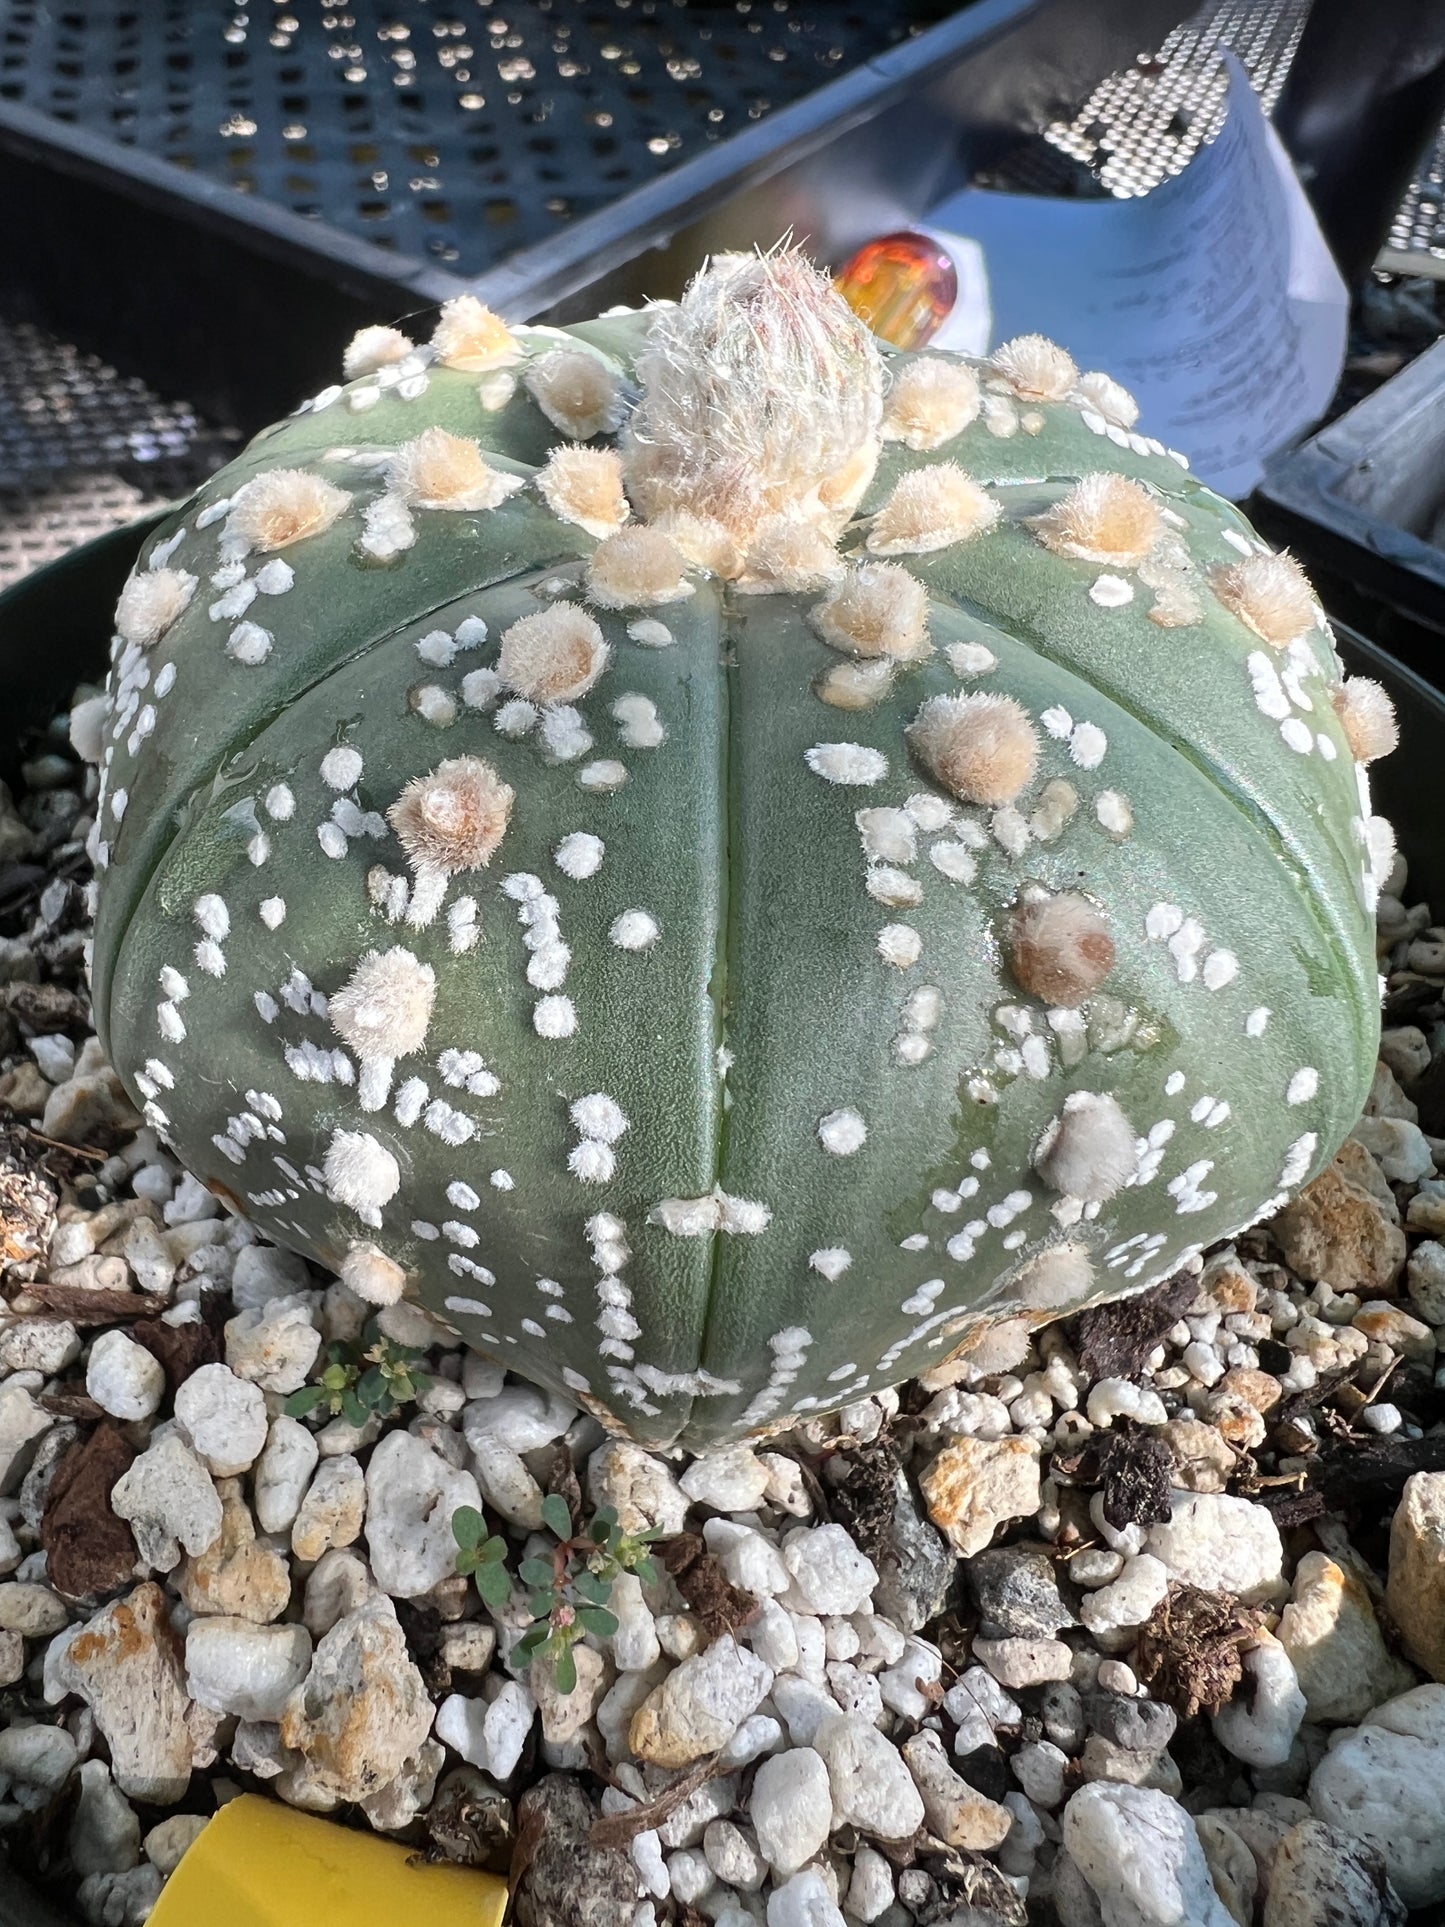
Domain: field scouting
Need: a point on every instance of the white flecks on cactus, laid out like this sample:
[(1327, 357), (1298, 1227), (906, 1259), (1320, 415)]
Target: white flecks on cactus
[(1108, 399), (584, 485), (273, 912), (341, 767), (877, 610), (372, 1275), (1111, 591), (830, 1262), (649, 633), (602, 776), (637, 568), (842, 1132), (249, 644), (982, 748), (281, 506), (899, 944), (579, 855), (387, 528), (931, 508), (1035, 368), (554, 1017), (929, 402), (280, 803), (634, 930), (373, 348), (847, 763), (1303, 1085)]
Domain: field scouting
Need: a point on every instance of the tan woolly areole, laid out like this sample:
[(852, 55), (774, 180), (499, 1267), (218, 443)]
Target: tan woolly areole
[(373, 348), (584, 485), (759, 390), (385, 1006), (860, 684), (1103, 518), (454, 818), (438, 470), (1035, 368), (1367, 717), (150, 602), (368, 1272), (637, 569), (789, 556), (877, 610), (932, 508), (554, 656), (1089, 1150), (577, 392), (1108, 398), (282, 506), (1270, 594), (469, 336), (1059, 947), (983, 748), (931, 401), (705, 543), (1060, 1276)]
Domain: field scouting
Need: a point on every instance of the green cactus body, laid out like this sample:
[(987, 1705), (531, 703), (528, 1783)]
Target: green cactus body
[(727, 1100)]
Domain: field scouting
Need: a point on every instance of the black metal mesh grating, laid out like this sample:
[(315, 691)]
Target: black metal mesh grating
[(1417, 235), (456, 130)]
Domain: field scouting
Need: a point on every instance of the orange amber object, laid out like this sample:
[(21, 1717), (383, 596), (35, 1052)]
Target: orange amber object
[(903, 285)]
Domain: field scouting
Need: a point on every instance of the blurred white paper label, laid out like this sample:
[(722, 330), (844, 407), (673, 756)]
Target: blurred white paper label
[(1213, 298)]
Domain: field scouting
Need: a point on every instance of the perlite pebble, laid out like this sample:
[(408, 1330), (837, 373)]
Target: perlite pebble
[(872, 1788), (1221, 1544), (283, 1472), (803, 1901), (411, 1495), (829, 1571), (234, 1666), (1140, 1855), (1259, 1725), (223, 1417), (730, 1480), (124, 1378), (791, 1809)]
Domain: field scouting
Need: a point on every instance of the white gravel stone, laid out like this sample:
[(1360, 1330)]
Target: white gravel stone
[(262, 1272), (104, 1831), (638, 1487), (337, 1584), (646, 1851), (170, 1502), (124, 1378), (275, 1345), (489, 1734), (1259, 1724), (1039, 1767), (730, 1480), (1129, 1600), (689, 1876), (1221, 1544), (804, 1901), (507, 1483), (791, 1809), (759, 1733), (700, 1705), (829, 1571), (747, 1557), (235, 1666), (919, 1665), (1384, 1783), (45, 1345), (223, 1417), (166, 1845), (283, 1473), (734, 1855), (634, 1646), (802, 1707), (411, 1494), (872, 1788), (978, 1705), (120, 1899), (519, 1416), (1024, 1662), (872, 1887), (38, 1758), (332, 1511), (1140, 1854), (956, 1812), (125, 1663), (772, 1637)]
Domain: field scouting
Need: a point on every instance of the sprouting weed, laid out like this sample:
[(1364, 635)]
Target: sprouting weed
[(568, 1589), (371, 1377)]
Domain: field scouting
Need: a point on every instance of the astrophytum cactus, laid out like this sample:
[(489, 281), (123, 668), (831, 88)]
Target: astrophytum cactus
[(730, 866)]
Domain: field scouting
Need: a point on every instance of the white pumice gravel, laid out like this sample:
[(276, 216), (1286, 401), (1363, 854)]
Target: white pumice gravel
[(285, 1614)]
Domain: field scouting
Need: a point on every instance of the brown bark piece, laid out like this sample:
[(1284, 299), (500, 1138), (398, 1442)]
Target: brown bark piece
[(89, 1550)]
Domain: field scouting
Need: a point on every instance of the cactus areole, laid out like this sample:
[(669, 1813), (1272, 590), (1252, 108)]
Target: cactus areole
[(732, 866)]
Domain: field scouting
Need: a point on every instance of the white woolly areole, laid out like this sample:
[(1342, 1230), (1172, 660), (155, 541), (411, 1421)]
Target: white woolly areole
[(789, 556), (373, 348), (930, 402), (637, 568), (1367, 717), (761, 393), (1060, 1276), (983, 748), (1035, 368), (899, 944), (1108, 398), (1103, 518), (847, 763), (341, 767), (932, 508), (554, 1017), (373, 1276), (361, 1172), (282, 506), (1090, 1150), (384, 1008), (553, 656), (592, 1161), (842, 1132), (584, 486), (1270, 594), (439, 470), (453, 818), (150, 602), (876, 610), (577, 391), (469, 336)]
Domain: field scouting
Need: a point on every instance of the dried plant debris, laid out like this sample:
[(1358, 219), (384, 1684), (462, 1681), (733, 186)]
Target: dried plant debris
[(89, 1551), (721, 1607), (1114, 1341), (1190, 1653)]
